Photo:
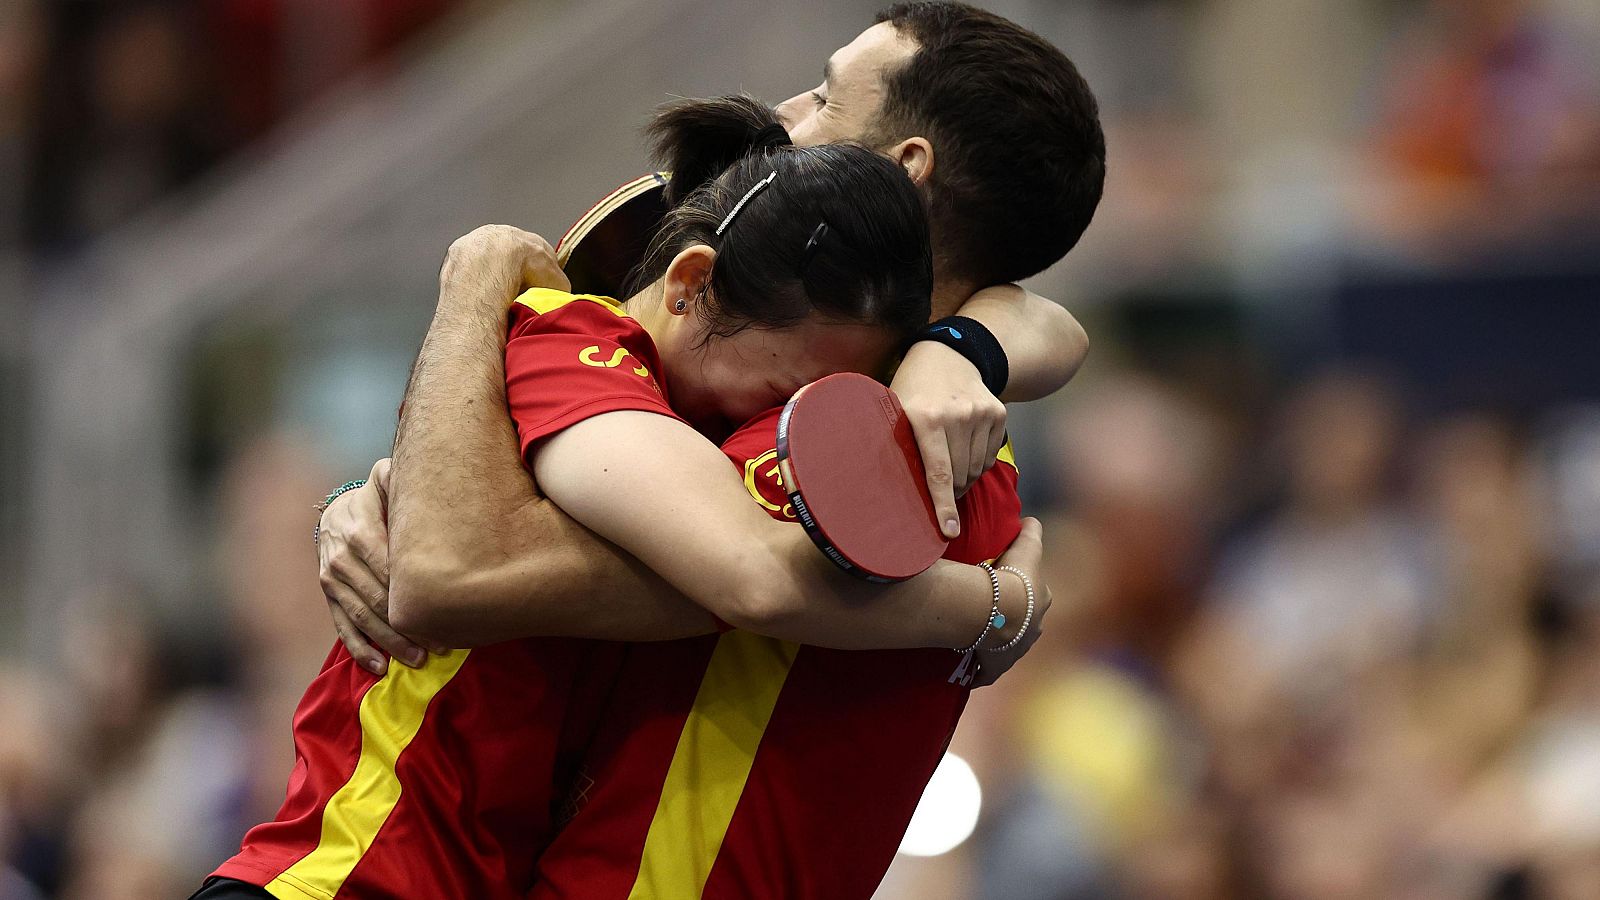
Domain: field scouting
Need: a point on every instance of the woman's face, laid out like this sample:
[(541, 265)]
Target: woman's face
[(720, 383)]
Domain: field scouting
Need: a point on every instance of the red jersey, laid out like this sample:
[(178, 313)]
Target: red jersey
[(738, 766), (437, 782)]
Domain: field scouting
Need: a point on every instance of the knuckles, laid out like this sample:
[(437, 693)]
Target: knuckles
[(961, 411), (498, 241), (360, 615)]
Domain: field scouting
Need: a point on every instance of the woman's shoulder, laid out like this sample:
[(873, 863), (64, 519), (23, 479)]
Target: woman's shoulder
[(544, 310)]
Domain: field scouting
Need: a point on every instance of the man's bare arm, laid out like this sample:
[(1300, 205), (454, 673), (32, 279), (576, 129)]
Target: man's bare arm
[(475, 554), (1045, 346)]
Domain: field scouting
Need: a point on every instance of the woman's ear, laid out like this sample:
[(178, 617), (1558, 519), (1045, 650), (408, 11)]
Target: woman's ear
[(687, 278), (915, 155)]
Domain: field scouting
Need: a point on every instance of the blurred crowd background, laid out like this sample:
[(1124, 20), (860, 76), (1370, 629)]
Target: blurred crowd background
[(1323, 509)]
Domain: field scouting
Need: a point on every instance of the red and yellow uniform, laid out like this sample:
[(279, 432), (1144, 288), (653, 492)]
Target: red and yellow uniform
[(737, 766), (437, 782)]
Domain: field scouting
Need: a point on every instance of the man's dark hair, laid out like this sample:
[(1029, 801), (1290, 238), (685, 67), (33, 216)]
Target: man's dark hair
[(836, 230), (1019, 157)]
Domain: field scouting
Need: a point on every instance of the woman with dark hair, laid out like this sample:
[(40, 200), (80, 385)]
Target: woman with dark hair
[(776, 266)]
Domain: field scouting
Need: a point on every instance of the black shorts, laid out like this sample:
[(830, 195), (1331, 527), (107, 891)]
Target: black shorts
[(229, 889)]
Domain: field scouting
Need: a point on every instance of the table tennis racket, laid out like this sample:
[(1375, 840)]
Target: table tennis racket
[(853, 473), (600, 250)]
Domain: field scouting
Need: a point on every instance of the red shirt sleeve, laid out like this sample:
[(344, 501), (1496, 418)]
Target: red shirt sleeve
[(571, 357), (753, 450)]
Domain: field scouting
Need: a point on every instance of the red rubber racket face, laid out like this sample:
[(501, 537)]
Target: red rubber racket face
[(851, 468), (602, 247)]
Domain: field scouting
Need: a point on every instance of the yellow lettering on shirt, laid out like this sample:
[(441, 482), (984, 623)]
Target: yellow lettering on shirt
[(589, 356)]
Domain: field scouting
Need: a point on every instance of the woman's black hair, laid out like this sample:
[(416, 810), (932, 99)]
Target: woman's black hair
[(837, 229)]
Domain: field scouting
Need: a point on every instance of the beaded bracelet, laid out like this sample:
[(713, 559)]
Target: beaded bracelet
[(996, 619), (316, 532), (1027, 618)]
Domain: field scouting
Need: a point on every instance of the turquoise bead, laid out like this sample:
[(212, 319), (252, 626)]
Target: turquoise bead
[(999, 621)]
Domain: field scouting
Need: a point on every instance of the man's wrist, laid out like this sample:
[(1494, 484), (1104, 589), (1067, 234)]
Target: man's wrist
[(474, 309), (322, 508)]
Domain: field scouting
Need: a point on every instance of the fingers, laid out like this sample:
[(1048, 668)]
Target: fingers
[(379, 477), (516, 258), (988, 435), (359, 616), (992, 665), (358, 575), (960, 443), (935, 450), (362, 652), (371, 575), (539, 266), (997, 435), (978, 458)]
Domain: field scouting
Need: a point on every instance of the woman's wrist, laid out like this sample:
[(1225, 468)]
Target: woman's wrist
[(996, 619), (1014, 610)]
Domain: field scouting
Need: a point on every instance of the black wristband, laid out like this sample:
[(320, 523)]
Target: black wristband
[(977, 344)]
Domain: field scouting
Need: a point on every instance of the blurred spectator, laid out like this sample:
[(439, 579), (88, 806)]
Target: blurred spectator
[(135, 773), (1140, 461), (1489, 123), (21, 48), (131, 98), (1332, 583)]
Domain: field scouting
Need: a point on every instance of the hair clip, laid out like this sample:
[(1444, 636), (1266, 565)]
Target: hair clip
[(743, 200), (813, 245)]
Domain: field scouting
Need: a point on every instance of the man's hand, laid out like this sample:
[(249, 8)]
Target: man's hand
[(959, 425), (353, 552), (1026, 553), (492, 264)]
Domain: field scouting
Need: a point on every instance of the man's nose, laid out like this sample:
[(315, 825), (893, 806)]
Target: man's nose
[(785, 113)]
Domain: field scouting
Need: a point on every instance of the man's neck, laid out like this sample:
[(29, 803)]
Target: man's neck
[(949, 294)]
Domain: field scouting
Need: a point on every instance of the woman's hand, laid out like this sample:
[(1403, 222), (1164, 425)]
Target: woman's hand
[(1026, 553), (960, 426)]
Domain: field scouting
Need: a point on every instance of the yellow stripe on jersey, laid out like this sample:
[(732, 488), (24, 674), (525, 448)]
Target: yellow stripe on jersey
[(715, 753), (544, 300), (1007, 455), (391, 715)]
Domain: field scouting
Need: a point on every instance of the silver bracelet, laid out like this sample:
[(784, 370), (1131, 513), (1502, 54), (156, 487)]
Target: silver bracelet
[(1027, 618), (995, 620)]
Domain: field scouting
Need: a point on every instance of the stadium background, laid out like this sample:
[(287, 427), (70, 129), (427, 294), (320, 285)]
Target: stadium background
[(1323, 509)]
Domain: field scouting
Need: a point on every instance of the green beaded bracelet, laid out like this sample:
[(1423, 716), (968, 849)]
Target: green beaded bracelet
[(316, 532)]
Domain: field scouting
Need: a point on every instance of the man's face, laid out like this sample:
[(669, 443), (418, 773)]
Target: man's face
[(846, 105)]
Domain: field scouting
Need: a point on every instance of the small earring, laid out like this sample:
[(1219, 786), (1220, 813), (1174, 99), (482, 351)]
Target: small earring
[(681, 305)]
